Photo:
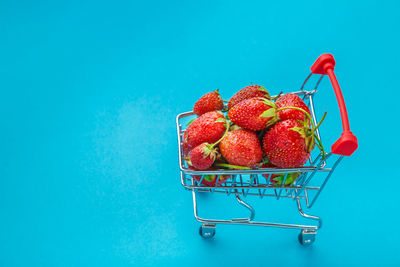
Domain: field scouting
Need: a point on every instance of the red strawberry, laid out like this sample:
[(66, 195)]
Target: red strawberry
[(185, 147), (248, 92), (208, 102), (291, 100), (210, 179), (241, 147), (203, 156), (288, 144), (208, 128), (253, 114), (275, 179)]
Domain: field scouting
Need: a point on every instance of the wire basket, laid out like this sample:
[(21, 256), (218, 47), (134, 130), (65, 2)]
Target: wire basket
[(258, 182)]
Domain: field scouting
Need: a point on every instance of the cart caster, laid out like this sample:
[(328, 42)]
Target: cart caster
[(307, 237), (207, 231)]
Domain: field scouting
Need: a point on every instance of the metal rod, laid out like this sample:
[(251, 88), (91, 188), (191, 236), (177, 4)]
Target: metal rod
[(326, 180), (312, 175), (250, 208), (310, 97), (305, 81), (308, 216), (317, 84), (283, 185), (256, 171), (249, 222)]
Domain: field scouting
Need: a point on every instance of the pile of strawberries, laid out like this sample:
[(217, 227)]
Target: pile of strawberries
[(251, 131)]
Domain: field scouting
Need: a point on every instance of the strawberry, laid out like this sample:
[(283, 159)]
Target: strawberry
[(257, 113), (208, 102), (248, 92), (291, 100), (208, 128), (277, 179), (185, 148), (210, 179), (253, 114), (203, 156), (241, 147), (288, 144)]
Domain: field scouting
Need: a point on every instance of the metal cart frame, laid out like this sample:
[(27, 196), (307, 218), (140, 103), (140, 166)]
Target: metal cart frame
[(257, 182)]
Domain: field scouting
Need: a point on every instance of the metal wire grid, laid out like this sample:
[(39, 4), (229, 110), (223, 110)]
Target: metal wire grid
[(257, 182)]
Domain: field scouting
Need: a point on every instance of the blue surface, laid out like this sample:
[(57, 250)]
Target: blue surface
[(89, 94)]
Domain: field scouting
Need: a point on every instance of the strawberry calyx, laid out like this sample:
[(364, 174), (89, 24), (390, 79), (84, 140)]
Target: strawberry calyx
[(269, 113), (189, 162), (209, 151), (308, 134), (263, 89), (273, 111), (209, 178), (291, 177), (235, 127)]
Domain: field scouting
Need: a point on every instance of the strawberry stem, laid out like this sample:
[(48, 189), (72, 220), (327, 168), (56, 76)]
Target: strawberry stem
[(314, 128), (226, 131), (296, 108), (277, 96), (319, 123), (319, 145), (229, 166)]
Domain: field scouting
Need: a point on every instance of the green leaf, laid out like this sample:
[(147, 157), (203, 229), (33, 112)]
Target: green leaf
[(290, 178), (265, 161), (269, 102), (262, 88), (209, 178), (300, 130), (269, 113), (234, 127), (190, 122), (189, 162), (278, 179), (206, 151), (220, 120)]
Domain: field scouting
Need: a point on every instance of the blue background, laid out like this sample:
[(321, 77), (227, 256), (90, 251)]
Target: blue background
[(89, 95)]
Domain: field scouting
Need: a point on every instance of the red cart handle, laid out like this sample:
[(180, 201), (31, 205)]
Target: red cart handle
[(347, 143)]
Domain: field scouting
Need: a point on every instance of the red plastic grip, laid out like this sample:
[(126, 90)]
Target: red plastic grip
[(347, 143)]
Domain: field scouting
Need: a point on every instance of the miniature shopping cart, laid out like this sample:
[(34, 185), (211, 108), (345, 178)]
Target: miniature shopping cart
[(257, 182)]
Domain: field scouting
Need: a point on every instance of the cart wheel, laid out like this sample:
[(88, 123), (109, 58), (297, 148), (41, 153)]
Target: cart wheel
[(307, 237), (207, 230)]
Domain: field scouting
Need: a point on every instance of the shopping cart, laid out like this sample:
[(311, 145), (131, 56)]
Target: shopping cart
[(257, 182)]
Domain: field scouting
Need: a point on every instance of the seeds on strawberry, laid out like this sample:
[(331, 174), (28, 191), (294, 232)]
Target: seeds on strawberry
[(253, 114), (285, 145), (248, 92), (291, 100), (208, 102), (208, 128), (203, 156), (242, 148)]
